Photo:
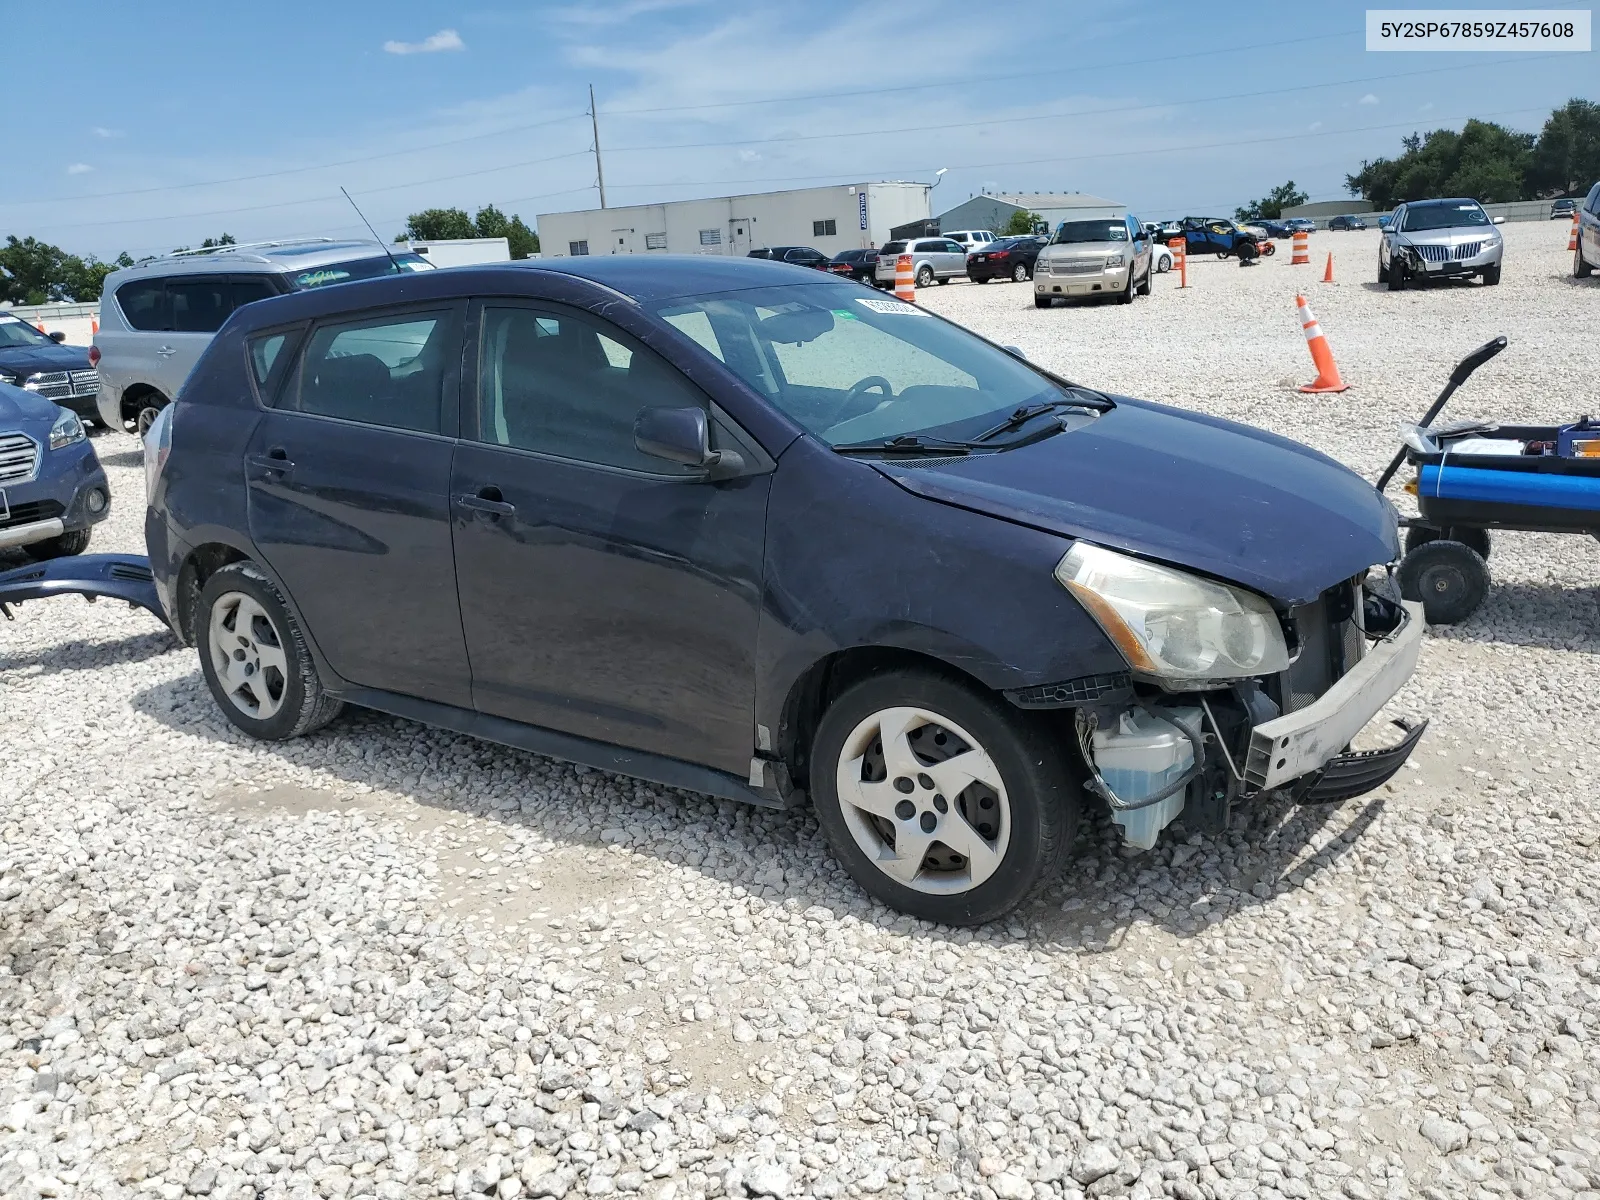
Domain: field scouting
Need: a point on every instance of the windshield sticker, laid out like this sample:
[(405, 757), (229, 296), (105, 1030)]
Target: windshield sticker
[(891, 307), (844, 314)]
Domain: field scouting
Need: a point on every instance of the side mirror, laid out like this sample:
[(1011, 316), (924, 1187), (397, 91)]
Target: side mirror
[(57, 337), (1499, 220), (682, 435)]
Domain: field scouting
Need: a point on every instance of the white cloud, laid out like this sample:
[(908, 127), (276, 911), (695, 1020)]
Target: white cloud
[(1369, 98), (1316, 125), (79, 169), (445, 39), (100, 131)]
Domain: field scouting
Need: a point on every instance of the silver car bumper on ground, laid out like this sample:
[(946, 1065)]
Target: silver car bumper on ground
[(1296, 744)]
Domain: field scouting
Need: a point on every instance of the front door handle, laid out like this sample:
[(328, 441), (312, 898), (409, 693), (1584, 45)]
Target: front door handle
[(166, 351), (275, 460), (486, 500)]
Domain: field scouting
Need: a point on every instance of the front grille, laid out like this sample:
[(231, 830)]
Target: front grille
[(34, 510), (65, 385), (19, 458), (1449, 253), (1075, 266)]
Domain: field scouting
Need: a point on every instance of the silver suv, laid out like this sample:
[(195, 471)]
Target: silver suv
[(931, 258), (1440, 239), (1103, 256), (156, 317)]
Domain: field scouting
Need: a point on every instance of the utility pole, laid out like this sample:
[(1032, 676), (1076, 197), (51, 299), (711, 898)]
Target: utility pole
[(599, 169)]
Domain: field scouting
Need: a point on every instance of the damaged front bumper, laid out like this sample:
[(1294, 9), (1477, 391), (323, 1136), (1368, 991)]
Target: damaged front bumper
[(115, 576), (1314, 738)]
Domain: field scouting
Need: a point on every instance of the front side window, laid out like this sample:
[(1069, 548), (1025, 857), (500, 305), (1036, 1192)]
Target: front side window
[(1444, 216), (359, 268), (381, 371), (1069, 232), (854, 368), (566, 384)]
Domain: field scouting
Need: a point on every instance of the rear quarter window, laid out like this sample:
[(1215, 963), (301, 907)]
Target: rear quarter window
[(144, 303)]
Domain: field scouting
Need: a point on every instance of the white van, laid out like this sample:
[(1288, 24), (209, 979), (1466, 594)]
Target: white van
[(971, 239)]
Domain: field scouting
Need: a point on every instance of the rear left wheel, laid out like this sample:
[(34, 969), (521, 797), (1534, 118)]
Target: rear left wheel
[(925, 277), (939, 800)]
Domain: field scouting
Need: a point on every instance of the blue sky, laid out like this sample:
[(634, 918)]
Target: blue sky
[(247, 118)]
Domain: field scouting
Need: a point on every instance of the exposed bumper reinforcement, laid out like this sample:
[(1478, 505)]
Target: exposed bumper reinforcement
[(1351, 775), (117, 576), (1293, 746)]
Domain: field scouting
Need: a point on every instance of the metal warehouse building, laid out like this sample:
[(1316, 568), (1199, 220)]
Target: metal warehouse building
[(830, 219), (992, 211)]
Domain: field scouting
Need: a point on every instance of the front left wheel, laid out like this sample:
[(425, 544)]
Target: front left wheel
[(254, 658), (65, 545), (941, 801)]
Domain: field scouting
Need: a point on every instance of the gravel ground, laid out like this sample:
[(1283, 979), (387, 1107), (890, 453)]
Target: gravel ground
[(389, 961)]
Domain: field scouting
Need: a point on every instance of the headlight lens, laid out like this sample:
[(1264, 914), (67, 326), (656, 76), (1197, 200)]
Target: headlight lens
[(4, 378), (66, 430), (1116, 260), (1173, 625)]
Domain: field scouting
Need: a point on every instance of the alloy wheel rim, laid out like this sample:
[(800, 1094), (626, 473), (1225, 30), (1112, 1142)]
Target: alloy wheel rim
[(147, 418), (924, 801), (247, 655)]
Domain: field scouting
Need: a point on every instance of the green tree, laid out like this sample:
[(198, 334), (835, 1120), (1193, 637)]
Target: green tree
[(35, 272), (1022, 223), (437, 225), (491, 222), (85, 278), (1485, 161), (1270, 207), (1566, 157)]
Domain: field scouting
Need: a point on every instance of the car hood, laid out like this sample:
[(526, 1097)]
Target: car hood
[(1083, 249), (1451, 235), (43, 358), (21, 409), (1226, 500)]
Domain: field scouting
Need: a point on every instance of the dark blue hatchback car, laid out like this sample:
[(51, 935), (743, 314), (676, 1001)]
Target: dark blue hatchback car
[(739, 528)]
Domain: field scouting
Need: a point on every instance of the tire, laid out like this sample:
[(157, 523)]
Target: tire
[(147, 414), (74, 541), (1163, 265), (1041, 301), (1491, 275), (278, 699), (1467, 535), (1224, 253), (1144, 288), (1397, 276), (1383, 272), (1448, 577), (1125, 296), (1019, 273), (1580, 265), (1022, 802), (924, 276), (944, 279)]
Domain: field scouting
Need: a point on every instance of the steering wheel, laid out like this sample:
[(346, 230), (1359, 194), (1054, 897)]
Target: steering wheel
[(852, 400)]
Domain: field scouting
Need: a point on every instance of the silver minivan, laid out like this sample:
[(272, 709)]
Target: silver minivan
[(157, 316), (931, 258), (1102, 256)]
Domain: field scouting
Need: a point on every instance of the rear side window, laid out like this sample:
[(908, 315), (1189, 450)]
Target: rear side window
[(144, 303), (381, 371), (264, 352), (199, 305), (251, 287)]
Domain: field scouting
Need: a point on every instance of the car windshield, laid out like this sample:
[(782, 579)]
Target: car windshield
[(1444, 216), (358, 268), (854, 367), (1090, 231), (15, 332)]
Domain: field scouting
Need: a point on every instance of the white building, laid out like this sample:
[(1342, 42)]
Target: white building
[(460, 252), (992, 211), (829, 219)]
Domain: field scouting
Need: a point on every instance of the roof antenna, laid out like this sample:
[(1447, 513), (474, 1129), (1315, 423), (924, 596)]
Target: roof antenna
[(395, 262)]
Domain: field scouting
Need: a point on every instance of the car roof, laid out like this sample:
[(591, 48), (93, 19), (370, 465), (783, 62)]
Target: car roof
[(638, 277), (287, 257), (1451, 201)]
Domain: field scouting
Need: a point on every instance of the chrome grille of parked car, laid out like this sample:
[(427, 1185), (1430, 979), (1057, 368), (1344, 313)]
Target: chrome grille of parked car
[(1075, 266), (19, 458), (85, 383), (59, 385), (1447, 253)]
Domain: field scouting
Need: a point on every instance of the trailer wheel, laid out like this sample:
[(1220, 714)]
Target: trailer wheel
[(1448, 578), (1467, 535)]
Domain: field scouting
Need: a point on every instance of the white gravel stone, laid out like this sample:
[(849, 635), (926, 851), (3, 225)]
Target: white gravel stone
[(387, 960)]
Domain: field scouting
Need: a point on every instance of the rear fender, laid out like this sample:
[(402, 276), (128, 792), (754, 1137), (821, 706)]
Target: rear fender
[(116, 576)]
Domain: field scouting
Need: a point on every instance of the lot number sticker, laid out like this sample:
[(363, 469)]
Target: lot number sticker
[(899, 307)]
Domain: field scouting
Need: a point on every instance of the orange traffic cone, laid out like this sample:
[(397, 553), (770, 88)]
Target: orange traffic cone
[(1327, 379), (1572, 242), (1327, 275), (905, 280), (39, 325), (94, 327)]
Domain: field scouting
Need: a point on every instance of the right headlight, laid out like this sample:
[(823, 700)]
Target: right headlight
[(1172, 625)]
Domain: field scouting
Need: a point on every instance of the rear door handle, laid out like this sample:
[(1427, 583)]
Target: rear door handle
[(166, 351), (274, 460), (489, 505)]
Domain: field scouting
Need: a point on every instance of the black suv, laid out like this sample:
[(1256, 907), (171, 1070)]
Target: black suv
[(800, 256), (765, 533)]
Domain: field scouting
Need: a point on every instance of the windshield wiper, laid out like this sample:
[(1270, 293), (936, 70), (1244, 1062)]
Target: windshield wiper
[(905, 443), (1028, 412)]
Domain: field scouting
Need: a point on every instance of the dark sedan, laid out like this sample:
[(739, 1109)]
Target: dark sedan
[(800, 256), (1348, 221), (855, 264), (1008, 258), (39, 363)]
